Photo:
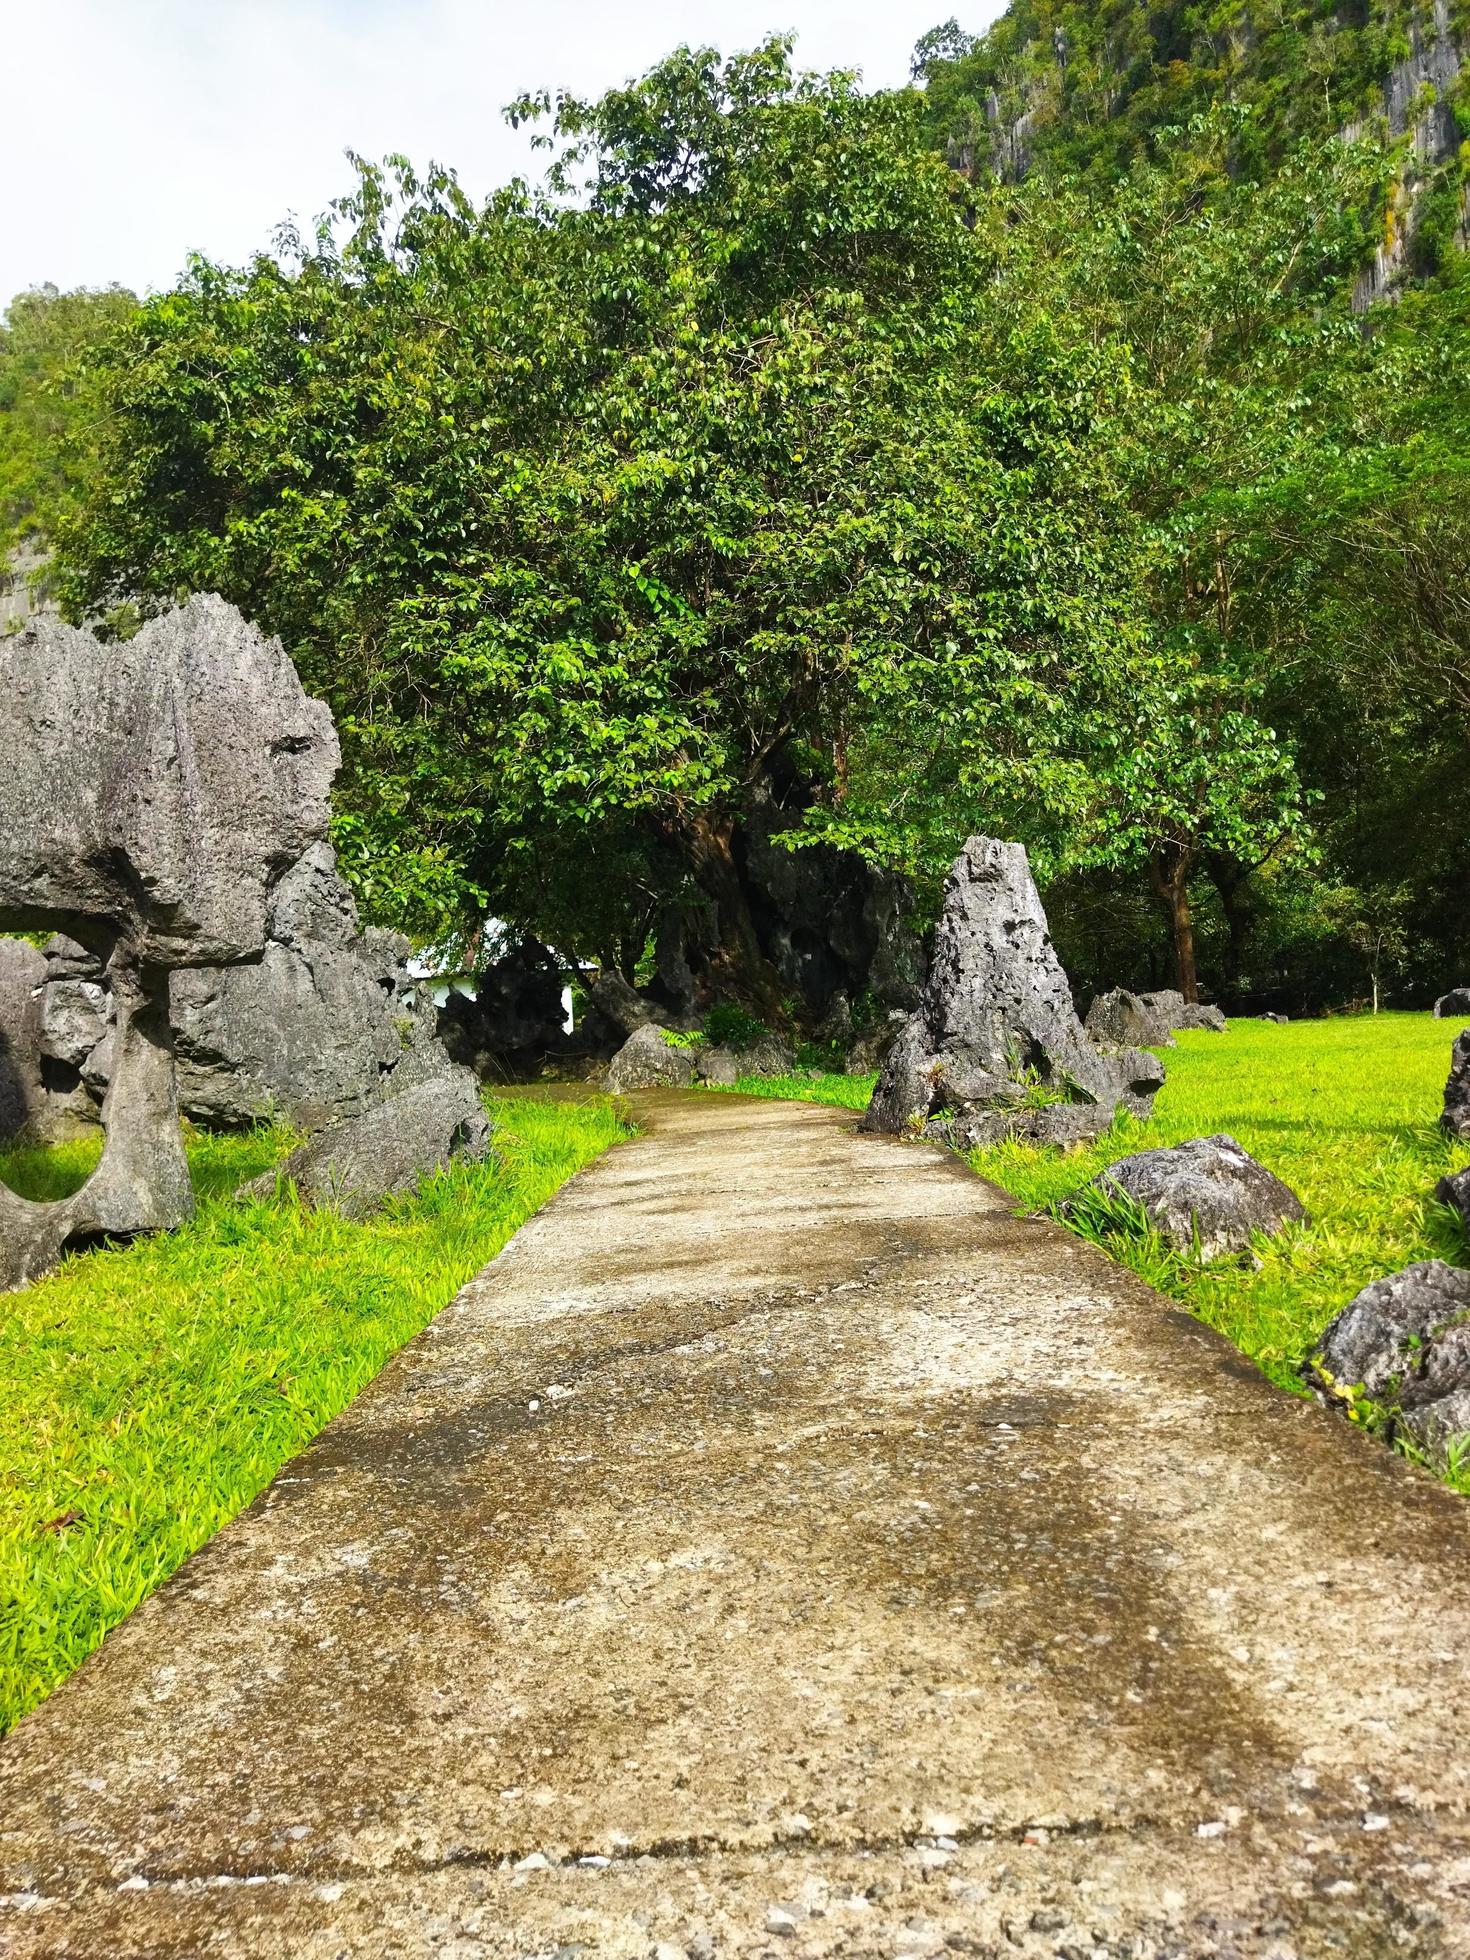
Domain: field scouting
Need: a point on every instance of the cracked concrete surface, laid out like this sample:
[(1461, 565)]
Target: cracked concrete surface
[(780, 1549)]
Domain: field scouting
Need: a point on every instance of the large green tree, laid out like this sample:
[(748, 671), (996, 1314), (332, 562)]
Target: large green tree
[(726, 470), (47, 342)]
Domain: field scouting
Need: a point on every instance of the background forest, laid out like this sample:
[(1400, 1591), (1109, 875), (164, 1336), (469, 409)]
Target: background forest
[(1074, 446)]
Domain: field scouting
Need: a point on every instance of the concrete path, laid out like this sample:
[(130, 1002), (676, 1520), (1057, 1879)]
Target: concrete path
[(782, 1550)]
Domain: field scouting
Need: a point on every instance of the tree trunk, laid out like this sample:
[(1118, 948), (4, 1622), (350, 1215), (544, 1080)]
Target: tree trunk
[(1169, 867), (738, 969), (1232, 883)]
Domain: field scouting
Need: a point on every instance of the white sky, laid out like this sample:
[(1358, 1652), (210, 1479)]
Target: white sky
[(135, 131)]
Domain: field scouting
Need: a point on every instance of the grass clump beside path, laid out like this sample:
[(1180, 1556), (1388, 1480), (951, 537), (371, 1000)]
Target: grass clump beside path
[(847, 1091), (148, 1393), (1346, 1111)]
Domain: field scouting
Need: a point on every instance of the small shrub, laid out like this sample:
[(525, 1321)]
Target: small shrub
[(729, 1026)]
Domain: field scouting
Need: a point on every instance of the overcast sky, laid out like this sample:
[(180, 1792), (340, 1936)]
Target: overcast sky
[(136, 131)]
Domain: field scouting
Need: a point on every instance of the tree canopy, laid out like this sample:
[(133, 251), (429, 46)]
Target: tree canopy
[(762, 469)]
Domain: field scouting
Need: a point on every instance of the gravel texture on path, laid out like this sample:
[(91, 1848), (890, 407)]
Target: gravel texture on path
[(781, 1549)]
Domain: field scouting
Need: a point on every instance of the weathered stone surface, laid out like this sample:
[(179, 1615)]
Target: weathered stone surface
[(646, 1061), (326, 1023), (621, 1008), (314, 1029), (1454, 1004), (142, 1183), (1125, 1020), (768, 1054), (996, 1020), (153, 790), (721, 1066), (385, 1151), (22, 976), (870, 1049), (1404, 1343), (74, 1020), (1207, 1194), (66, 960), (1454, 1191), (1280, 1020), (1456, 1114), (1196, 1014)]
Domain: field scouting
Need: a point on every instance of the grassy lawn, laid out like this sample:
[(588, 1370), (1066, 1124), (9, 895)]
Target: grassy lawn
[(848, 1091), (148, 1393), (1345, 1110)]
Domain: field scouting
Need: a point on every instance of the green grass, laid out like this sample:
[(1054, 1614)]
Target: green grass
[(148, 1393), (1345, 1110), (847, 1091)]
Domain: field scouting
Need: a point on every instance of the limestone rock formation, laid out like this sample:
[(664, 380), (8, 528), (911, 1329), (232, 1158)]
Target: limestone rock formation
[(22, 977), (1454, 1191), (322, 1027), (163, 808), (722, 1067), (1404, 1342), (1207, 1196), (327, 1022), (386, 1150), (1126, 1020), (154, 790), (646, 1061), (1456, 1114), (995, 1047), (1454, 1005)]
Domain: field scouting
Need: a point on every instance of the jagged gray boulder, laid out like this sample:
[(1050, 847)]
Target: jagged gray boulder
[(646, 1061), (385, 1151), (163, 807), (153, 790), (1404, 1343), (22, 978), (1121, 1019), (995, 1047), (318, 1029), (1454, 1191), (1198, 1014), (725, 1063), (719, 1066), (1207, 1196), (1455, 1117), (326, 1023), (75, 1018), (1450, 1006)]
